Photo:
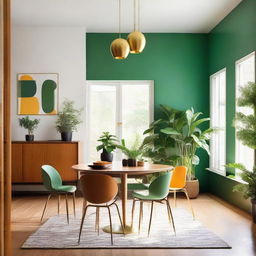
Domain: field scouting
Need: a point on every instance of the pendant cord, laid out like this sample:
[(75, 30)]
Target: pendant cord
[(119, 18), (134, 7), (138, 15)]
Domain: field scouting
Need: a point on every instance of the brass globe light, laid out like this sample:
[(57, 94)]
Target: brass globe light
[(136, 39), (137, 42), (119, 48)]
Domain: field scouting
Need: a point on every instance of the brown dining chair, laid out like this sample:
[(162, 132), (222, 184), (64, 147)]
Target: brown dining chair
[(100, 191)]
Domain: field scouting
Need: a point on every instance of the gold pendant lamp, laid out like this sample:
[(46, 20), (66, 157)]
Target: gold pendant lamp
[(136, 39), (119, 47)]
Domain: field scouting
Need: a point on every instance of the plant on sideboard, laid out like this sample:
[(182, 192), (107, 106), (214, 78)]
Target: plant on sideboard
[(30, 125), (108, 145), (68, 120)]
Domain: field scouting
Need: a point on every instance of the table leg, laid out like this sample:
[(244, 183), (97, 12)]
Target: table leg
[(124, 196)]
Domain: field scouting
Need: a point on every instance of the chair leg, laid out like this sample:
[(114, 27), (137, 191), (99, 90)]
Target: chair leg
[(170, 210), (110, 221), (58, 204), (151, 213), (133, 209), (169, 216), (97, 221), (82, 223), (141, 215), (174, 197), (74, 203), (67, 208), (189, 203), (47, 200), (120, 219)]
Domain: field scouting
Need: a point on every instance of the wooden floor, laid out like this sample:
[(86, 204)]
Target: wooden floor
[(230, 223)]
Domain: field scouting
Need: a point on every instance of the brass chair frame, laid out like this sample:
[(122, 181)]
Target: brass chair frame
[(174, 191), (169, 211), (98, 218), (59, 198)]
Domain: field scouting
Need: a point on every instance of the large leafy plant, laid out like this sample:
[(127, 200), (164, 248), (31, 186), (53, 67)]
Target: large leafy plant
[(176, 138), (158, 146), (68, 118), (246, 123), (249, 177), (108, 142), (29, 124)]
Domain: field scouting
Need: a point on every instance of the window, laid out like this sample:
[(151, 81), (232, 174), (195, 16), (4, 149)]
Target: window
[(245, 72), (123, 108), (218, 121)]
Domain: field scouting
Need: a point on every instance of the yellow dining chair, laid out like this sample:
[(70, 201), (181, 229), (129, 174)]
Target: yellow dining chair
[(178, 183)]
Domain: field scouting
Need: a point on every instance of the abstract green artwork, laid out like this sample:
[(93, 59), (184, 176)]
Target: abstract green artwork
[(37, 93)]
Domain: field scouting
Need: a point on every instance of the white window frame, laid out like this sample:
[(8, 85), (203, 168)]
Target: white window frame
[(118, 84), (219, 170), (237, 63)]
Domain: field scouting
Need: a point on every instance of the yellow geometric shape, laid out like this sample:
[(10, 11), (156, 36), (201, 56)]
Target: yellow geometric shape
[(28, 106), (54, 112), (26, 77)]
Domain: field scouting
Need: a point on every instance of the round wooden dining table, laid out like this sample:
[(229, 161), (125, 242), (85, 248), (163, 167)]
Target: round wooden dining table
[(117, 170)]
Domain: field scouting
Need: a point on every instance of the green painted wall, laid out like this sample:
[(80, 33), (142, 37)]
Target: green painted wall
[(176, 62), (232, 39)]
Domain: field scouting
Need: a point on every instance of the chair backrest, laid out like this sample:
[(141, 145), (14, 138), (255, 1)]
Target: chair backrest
[(51, 178), (98, 188), (179, 177), (160, 186)]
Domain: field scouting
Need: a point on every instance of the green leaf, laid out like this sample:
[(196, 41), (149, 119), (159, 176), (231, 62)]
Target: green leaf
[(195, 160), (236, 166), (198, 122), (170, 131)]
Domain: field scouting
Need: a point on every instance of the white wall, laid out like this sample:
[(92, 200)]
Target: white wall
[(50, 50)]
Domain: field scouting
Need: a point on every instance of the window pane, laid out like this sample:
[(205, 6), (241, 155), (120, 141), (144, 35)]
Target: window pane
[(135, 112), (245, 72), (102, 115), (218, 121)]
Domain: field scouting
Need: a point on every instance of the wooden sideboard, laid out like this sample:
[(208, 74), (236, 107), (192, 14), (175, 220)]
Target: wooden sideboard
[(28, 157)]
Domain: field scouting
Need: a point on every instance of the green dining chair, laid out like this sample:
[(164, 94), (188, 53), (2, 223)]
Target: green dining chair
[(157, 192), (53, 183)]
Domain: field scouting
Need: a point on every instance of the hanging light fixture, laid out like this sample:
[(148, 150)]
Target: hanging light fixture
[(136, 39), (119, 47)]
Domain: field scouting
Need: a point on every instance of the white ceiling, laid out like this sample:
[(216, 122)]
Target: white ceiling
[(181, 16)]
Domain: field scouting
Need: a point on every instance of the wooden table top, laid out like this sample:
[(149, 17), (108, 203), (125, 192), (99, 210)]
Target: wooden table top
[(117, 168)]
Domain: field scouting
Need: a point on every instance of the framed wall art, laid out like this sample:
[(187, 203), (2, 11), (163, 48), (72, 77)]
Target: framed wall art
[(37, 93)]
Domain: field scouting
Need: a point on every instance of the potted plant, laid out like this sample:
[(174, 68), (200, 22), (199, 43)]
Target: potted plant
[(108, 145), (30, 125), (249, 187), (68, 120), (175, 138), (246, 132), (132, 154)]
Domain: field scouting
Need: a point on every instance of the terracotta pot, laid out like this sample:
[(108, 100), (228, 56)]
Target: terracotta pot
[(192, 187), (140, 163)]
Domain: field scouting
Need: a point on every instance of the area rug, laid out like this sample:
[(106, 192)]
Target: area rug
[(55, 233)]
